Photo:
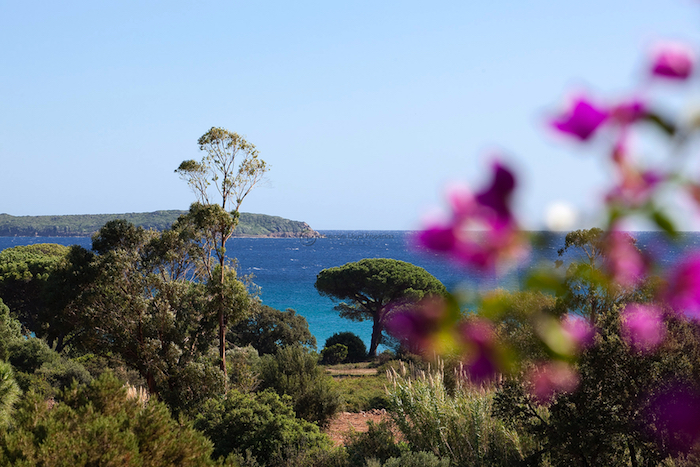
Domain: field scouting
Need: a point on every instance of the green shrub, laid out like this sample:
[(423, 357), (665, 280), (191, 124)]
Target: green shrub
[(336, 353), (376, 443), (9, 393), (455, 426), (295, 372), (10, 330), (417, 459), (357, 351), (98, 424), (262, 428), (268, 330), (28, 355)]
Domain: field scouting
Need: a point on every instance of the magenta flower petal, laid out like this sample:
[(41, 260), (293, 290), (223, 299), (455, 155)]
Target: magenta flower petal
[(579, 330), (582, 120), (623, 260), (629, 112), (497, 196), (683, 291), (643, 327), (674, 62), (675, 415), (552, 378), (437, 238)]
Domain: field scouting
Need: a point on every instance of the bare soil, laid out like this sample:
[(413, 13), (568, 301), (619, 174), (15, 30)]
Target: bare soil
[(346, 422)]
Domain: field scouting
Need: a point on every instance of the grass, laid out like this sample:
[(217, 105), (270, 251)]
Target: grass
[(363, 388)]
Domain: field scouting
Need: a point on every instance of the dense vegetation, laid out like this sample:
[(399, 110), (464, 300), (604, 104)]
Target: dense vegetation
[(88, 224), (109, 356)]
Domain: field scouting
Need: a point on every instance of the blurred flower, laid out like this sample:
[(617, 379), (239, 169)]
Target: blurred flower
[(675, 415), (674, 61), (482, 358), (683, 290), (635, 186), (628, 112), (482, 232), (623, 261), (565, 337), (581, 120), (551, 378), (579, 330), (643, 327)]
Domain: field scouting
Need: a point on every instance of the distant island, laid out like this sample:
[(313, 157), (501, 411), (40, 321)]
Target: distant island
[(250, 225)]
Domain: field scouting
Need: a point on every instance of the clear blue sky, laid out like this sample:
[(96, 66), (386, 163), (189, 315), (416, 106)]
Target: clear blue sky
[(364, 109)]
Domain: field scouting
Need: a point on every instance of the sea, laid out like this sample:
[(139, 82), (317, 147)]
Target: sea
[(284, 269)]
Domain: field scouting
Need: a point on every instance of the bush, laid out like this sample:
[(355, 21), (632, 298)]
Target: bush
[(268, 330), (417, 459), (10, 330), (295, 372), (260, 426), (357, 351), (376, 443), (9, 393), (98, 424), (458, 427), (336, 353)]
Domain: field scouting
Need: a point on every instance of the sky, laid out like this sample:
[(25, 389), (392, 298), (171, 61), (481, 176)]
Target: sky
[(364, 110)]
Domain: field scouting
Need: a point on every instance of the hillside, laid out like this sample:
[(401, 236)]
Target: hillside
[(250, 225)]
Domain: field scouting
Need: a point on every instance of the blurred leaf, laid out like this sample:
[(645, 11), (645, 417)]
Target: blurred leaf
[(663, 124), (664, 223)]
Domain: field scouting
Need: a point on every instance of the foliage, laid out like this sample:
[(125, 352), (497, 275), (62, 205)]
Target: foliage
[(24, 272), (605, 419), (243, 368), (376, 443), (268, 330), (9, 394), (357, 351), (294, 371), (458, 426), (232, 165), (10, 330), (417, 459), (336, 353), (42, 369), (100, 425), (87, 225), (375, 288), (262, 425), (149, 304)]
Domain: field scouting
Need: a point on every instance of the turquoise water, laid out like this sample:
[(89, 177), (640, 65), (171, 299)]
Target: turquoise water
[(285, 269)]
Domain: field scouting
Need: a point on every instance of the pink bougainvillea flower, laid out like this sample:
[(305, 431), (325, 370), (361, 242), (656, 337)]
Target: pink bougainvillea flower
[(582, 119), (552, 378), (643, 327), (675, 415), (497, 195), (674, 61), (683, 290), (437, 238), (482, 232), (628, 112), (579, 331), (421, 326), (623, 260), (635, 186), (482, 361)]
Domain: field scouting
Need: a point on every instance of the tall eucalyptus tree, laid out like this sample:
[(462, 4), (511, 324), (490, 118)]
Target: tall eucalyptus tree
[(221, 180)]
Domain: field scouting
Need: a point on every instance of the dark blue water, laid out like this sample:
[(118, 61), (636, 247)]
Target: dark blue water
[(285, 268)]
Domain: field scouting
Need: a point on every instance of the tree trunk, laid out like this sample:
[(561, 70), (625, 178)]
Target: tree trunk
[(222, 347), (376, 337)]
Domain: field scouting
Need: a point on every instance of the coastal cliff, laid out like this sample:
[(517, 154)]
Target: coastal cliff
[(250, 225)]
